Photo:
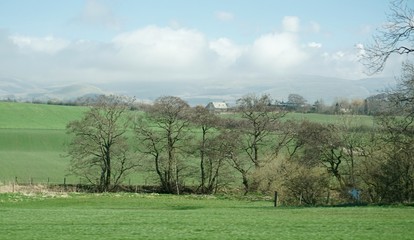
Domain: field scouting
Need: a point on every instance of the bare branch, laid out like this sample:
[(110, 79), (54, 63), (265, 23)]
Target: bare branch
[(395, 37)]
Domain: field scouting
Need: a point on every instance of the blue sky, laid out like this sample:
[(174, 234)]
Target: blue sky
[(93, 41)]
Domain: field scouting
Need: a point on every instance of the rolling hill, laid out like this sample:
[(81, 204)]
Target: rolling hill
[(310, 87)]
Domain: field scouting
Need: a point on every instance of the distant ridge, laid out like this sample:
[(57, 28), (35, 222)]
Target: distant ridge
[(18, 90), (312, 88)]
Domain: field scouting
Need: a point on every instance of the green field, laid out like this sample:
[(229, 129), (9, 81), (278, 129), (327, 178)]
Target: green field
[(32, 148), (33, 141), (149, 216)]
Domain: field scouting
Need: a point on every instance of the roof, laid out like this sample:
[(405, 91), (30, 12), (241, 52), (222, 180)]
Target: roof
[(217, 105)]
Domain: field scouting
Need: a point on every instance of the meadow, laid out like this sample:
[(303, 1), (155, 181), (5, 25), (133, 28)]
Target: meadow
[(32, 148), (153, 216), (32, 141)]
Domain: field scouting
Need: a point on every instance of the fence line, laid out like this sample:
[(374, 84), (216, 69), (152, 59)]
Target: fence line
[(62, 181)]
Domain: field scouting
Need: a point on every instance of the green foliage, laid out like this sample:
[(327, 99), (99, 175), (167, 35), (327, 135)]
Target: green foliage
[(137, 216)]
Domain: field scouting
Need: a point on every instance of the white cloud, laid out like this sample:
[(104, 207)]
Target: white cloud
[(48, 44), (277, 52), (163, 50), (224, 16), (339, 55), (314, 45), (291, 24), (228, 51), (96, 13), (155, 53), (361, 50)]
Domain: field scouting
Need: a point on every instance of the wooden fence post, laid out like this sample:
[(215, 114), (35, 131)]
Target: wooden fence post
[(275, 199)]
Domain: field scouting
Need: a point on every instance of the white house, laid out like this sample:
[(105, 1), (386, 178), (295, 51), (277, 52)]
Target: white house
[(217, 106)]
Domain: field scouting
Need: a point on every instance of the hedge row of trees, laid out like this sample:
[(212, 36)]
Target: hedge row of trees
[(256, 148)]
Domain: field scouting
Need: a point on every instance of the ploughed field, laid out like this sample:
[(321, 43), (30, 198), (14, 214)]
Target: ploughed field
[(153, 216)]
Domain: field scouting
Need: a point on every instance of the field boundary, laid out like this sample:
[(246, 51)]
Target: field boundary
[(83, 188)]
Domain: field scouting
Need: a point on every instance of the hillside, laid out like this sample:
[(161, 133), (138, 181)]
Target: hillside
[(32, 141), (37, 116)]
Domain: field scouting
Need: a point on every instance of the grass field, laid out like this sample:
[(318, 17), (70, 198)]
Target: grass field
[(140, 216), (32, 145), (37, 116), (32, 141)]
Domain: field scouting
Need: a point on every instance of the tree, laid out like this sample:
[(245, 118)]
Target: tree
[(229, 147), (218, 151), (296, 101), (394, 178), (165, 142), (304, 185), (395, 37), (206, 121), (319, 106), (260, 118), (317, 144), (99, 150), (259, 122)]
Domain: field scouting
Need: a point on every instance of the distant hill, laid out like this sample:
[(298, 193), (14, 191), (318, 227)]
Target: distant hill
[(19, 90), (312, 88)]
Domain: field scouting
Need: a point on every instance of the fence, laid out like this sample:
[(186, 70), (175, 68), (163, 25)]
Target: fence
[(68, 185)]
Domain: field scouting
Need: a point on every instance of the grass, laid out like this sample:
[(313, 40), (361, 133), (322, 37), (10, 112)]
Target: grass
[(37, 116), (140, 216), (362, 120), (32, 142), (33, 155)]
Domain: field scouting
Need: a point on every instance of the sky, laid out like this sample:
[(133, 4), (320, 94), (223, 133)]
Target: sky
[(186, 41)]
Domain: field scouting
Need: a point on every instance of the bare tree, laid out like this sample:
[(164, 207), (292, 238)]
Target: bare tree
[(230, 148), (163, 140), (393, 180), (395, 37), (206, 121), (260, 118), (99, 150)]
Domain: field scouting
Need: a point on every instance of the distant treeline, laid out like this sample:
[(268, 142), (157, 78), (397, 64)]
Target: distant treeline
[(372, 105)]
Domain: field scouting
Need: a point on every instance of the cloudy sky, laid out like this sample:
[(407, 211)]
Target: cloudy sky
[(228, 41)]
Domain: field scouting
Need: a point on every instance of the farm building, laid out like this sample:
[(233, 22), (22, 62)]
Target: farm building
[(217, 106)]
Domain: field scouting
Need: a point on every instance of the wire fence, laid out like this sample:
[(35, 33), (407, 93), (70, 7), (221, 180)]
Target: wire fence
[(66, 184)]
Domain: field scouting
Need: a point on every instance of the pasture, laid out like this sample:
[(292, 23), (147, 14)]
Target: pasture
[(152, 216), (32, 141), (32, 148)]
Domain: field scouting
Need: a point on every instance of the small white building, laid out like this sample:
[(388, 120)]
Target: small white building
[(217, 106)]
